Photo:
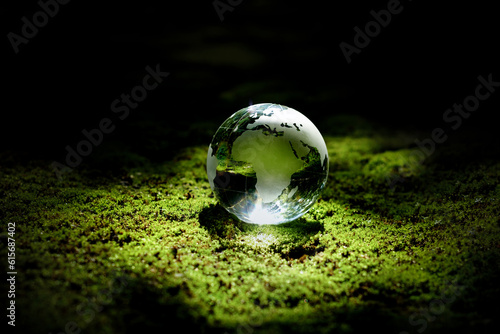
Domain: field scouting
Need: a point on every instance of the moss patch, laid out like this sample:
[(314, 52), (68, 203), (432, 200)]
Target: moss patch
[(144, 246)]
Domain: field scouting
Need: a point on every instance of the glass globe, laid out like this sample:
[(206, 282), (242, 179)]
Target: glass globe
[(267, 164)]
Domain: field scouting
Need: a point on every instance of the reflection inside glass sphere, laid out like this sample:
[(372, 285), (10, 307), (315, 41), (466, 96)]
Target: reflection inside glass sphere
[(267, 164)]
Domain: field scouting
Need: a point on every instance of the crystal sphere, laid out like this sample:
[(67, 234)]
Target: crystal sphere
[(267, 164)]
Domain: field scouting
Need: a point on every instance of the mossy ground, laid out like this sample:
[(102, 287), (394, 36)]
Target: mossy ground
[(142, 245)]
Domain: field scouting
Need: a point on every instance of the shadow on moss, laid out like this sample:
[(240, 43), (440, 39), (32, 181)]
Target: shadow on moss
[(293, 240), (159, 309)]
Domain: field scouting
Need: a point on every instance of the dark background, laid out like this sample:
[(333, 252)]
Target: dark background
[(65, 78)]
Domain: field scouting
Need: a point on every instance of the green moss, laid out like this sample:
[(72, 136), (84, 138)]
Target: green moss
[(143, 247)]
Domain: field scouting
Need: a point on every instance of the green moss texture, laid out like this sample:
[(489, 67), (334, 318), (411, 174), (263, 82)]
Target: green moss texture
[(394, 244)]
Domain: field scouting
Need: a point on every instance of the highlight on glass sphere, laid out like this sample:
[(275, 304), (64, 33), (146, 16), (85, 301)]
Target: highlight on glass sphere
[(267, 164)]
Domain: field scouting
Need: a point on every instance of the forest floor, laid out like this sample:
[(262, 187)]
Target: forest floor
[(126, 244)]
